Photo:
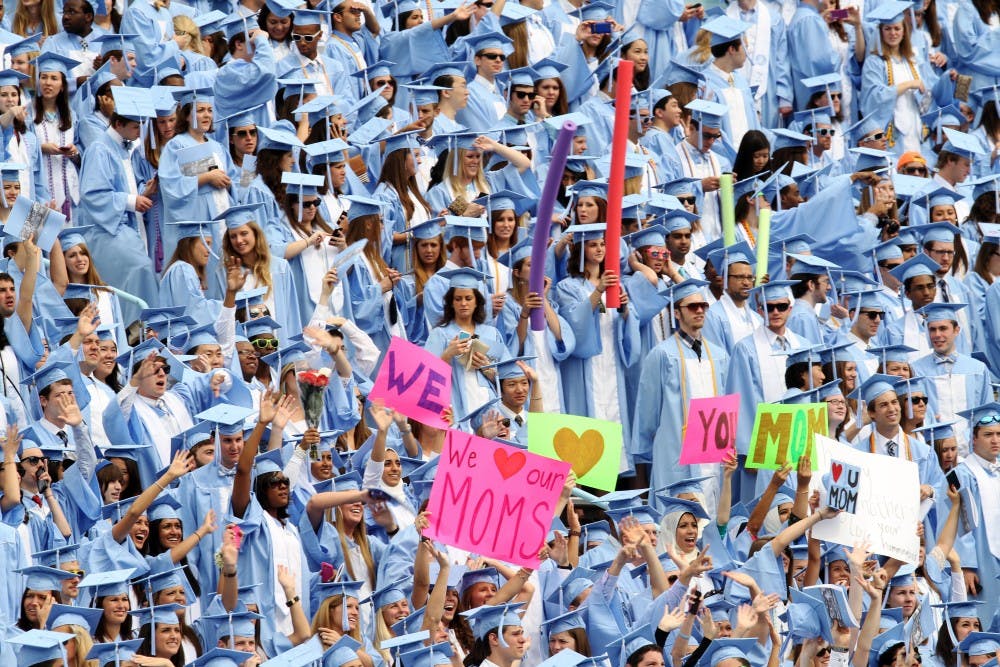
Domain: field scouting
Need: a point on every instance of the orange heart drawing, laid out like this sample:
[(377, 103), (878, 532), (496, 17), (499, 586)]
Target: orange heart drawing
[(581, 452)]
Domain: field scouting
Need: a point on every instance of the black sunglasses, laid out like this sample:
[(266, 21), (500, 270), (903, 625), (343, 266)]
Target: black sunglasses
[(310, 204), (243, 134), (780, 307), (34, 460), (873, 314), (494, 56)]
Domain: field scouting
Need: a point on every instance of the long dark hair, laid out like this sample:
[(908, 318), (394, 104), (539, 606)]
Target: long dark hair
[(405, 185), (154, 547), (62, 107), (753, 141), (147, 644), (293, 219), (478, 315), (269, 170), (260, 487), (101, 633)]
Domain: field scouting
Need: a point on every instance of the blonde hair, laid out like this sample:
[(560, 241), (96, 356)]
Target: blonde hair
[(449, 171), (20, 24), (186, 25), (702, 51), (84, 642), (323, 618), (360, 537), (261, 269)]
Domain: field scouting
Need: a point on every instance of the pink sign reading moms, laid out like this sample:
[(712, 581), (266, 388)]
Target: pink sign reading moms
[(414, 382), (710, 433), (493, 499)]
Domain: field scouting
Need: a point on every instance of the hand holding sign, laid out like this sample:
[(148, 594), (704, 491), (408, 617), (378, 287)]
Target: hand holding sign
[(414, 382)]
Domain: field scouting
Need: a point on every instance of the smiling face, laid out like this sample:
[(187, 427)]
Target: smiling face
[(885, 411), (397, 611), (168, 639), (242, 239), (171, 532)]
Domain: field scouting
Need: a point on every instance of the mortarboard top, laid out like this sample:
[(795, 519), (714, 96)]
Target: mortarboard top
[(124, 451), (940, 232), (895, 353), (672, 505), (938, 312), (29, 218), (164, 507), (112, 582), (886, 250), (239, 215), (463, 139), (10, 77), (428, 656), (239, 623), (871, 159), (940, 196), (747, 186), (306, 654), (806, 615), (589, 232), (188, 230), (504, 200), (863, 127), (302, 184), (675, 220), (723, 649), (326, 152), (133, 103), (410, 625), (725, 29), (343, 651), (50, 61), (685, 289), (277, 139), (443, 69), (622, 499), (489, 618), (422, 94), (644, 514), (886, 641), (988, 413), (797, 244), (29, 44), (483, 575), (962, 144), (238, 24), (868, 298), (429, 229), (594, 188), (630, 642), (831, 81), (775, 290), (691, 485), (361, 205), (707, 114), (209, 22), (203, 335), (522, 76), (116, 510), (963, 609), (654, 235), (11, 171), (189, 95), (370, 130), (479, 42), (988, 183), (320, 107), (40, 646), (163, 614), (789, 139), (937, 431), (242, 118), (515, 13), (304, 17), (474, 229), (114, 653), (912, 385), (56, 556), (43, 578), (115, 42), (286, 355), (814, 116), (979, 643), (509, 370), (402, 141), (391, 592), (888, 12), (350, 589), (269, 462), (52, 372), (221, 657), (875, 386), (738, 253), (565, 622), (918, 265), (259, 326)]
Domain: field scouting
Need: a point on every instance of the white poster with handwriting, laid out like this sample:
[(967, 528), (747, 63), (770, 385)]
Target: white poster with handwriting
[(888, 501)]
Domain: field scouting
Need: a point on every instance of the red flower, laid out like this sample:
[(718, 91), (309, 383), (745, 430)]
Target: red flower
[(313, 379)]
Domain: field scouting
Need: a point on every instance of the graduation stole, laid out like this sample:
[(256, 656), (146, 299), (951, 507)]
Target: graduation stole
[(888, 75)]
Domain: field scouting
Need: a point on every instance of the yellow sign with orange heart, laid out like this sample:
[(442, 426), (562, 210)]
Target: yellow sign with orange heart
[(592, 447)]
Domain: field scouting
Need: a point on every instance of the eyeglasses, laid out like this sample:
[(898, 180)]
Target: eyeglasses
[(836, 401), (878, 136), (265, 343), (823, 651), (688, 201), (278, 482), (34, 460), (889, 267), (310, 204), (915, 171), (485, 5), (308, 39), (918, 400), (942, 252), (696, 307), (493, 56), (522, 94), (711, 136), (658, 254), (873, 314), (741, 276), (245, 134), (378, 83), (825, 132), (834, 96), (780, 307)]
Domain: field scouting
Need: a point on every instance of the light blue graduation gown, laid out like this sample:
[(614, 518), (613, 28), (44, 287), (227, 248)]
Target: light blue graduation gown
[(33, 149), (978, 390), (438, 340), (322, 544), (180, 286), (480, 113), (365, 296), (573, 297), (716, 84), (414, 50), (113, 238), (990, 326), (206, 488), (241, 84), (718, 327), (975, 293), (809, 51), (155, 43), (657, 22), (986, 564), (661, 145), (805, 323), (286, 302), (662, 404), (90, 127), (183, 199), (976, 47), (12, 554)]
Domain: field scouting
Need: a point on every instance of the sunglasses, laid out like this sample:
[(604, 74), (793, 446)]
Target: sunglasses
[(992, 419), (658, 254), (918, 400), (711, 136), (34, 460), (494, 56), (308, 39), (915, 171), (357, 11), (873, 314), (825, 132), (278, 482), (688, 201), (378, 83), (696, 307), (485, 5), (265, 343), (878, 136), (834, 96), (522, 94), (780, 307), (160, 369), (77, 573), (310, 204), (245, 134)]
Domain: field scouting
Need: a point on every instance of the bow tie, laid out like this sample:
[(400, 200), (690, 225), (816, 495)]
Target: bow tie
[(127, 144), (993, 469), (947, 359), (227, 473)]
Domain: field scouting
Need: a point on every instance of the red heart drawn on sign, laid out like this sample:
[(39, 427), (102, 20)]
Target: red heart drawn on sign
[(509, 465), (836, 469)]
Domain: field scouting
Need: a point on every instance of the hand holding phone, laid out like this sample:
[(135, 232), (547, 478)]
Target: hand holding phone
[(839, 14), (601, 27)]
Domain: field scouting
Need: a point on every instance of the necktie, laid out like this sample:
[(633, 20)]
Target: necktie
[(62, 436), (891, 448), (696, 346), (782, 343), (171, 423), (38, 499), (519, 420), (732, 81), (943, 286), (126, 144)]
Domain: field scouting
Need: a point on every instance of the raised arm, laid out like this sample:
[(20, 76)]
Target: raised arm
[(26, 294), (183, 463)]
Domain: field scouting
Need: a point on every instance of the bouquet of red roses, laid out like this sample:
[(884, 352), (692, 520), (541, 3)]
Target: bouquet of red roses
[(312, 386)]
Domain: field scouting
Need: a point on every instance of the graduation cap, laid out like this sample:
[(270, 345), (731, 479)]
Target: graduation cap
[(644, 514), (428, 656), (221, 657), (875, 386), (50, 61), (653, 235), (114, 653), (10, 77), (630, 642), (789, 139), (671, 505), (28, 218), (938, 312), (423, 94), (962, 144), (52, 372), (983, 415), (306, 17), (56, 556), (111, 582), (894, 353), (277, 139), (233, 624), (979, 643), (937, 431), (164, 614), (888, 12), (728, 648), (345, 650), (489, 618), (238, 215), (391, 592), (37, 647), (43, 578), (361, 205), (706, 114), (24, 46)]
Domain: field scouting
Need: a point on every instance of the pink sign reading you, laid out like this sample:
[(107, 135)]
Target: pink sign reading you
[(493, 499), (711, 429), (414, 382)]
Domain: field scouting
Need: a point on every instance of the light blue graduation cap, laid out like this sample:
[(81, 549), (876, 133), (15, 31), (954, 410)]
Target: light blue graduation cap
[(483, 575), (43, 578), (422, 94), (443, 69), (888, 12), (238, 23), (918, 265), (345, 650), (691, 485), (24, 46), (575, 619), (863, 127), (774, 291), (706, 114), (941, 117), (269, 462), (238, 215), (809, 118), (479, 42), (10, 77), (238, 623), (725, 29), (875, 386), (221, 657), (50, 61), (277, 139), (59, 555), (671, 505), (123, 42), (515, 13), (326, 152), (871, 159), (739, 253), (437, 655), (488, 618), (979, 643), (164, 507), (284, 356), (644, 514), (306, 17), (789, 139), (52, 372), (937, 431), (164, 614), (111, 582), (685, 289), (522, 76), (361, 205), (894, 353), (962, 144), (939, 312), (133, 103), (962, 609), (29, 218), (638, 637), (114, 653), (36, 647), (654, 235), (391, 592), (402, 141), (939, 232), (728, 648)]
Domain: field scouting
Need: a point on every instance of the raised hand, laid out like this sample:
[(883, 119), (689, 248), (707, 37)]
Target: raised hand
[(69, 411)]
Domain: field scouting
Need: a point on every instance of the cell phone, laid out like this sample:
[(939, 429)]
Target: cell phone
[(953, 480), (695, 596), (377, 494), (839, 14), (464, 335), (601, 28), (237, 536), (43, 484), (694, 6)]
